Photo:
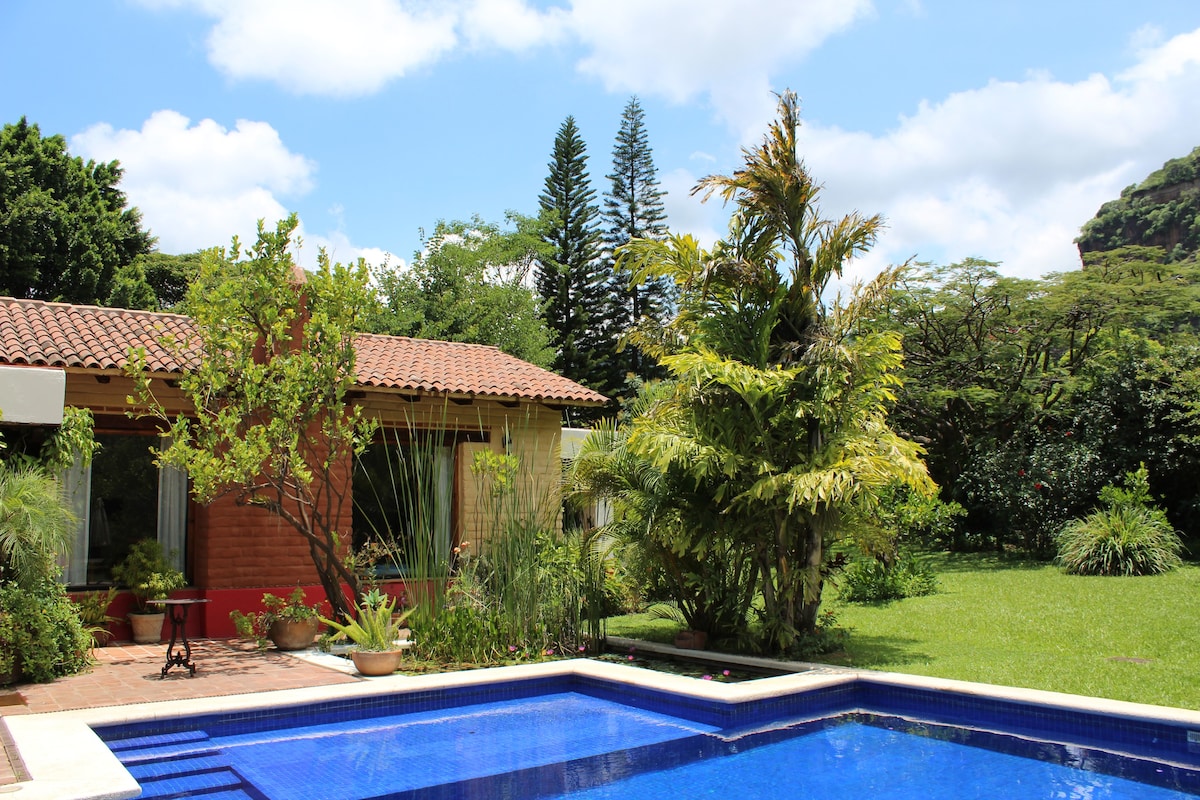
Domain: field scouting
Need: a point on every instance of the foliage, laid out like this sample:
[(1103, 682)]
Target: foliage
[(1031, 395), (676, 543), (376, 625), (871, 580), (1129, 536), (570, 280), (148, 573), (776, 416), (64, 228), (32, 447), (274, 360), (257, 626), (92, 608), (35, 525), (1162, 211), (42, 634), (633, 209), (924, 521), (469, 283), (533, 574)]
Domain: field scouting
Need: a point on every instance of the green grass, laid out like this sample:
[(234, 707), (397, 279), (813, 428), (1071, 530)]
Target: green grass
[(643, 626), (1024, 624), (1030, 625)]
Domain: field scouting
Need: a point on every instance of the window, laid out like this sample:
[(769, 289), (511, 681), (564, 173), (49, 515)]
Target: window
[(121, 498), (403, 500)]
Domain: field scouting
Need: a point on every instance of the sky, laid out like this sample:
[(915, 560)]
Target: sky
[(990, 129)]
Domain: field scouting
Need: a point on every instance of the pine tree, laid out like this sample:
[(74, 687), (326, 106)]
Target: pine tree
[(570, 282), (633, 209)]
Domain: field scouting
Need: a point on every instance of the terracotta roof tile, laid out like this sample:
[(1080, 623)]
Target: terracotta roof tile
[(62, 335)]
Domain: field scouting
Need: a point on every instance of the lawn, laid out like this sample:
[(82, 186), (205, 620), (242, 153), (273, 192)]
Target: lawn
[(1028, 624)]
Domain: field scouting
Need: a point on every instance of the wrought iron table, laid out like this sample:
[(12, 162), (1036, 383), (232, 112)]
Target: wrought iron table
[(177, 610)]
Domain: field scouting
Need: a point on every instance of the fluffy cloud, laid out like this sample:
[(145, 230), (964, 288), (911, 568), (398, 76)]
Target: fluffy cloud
[(355, 47), (1011, 170), (197, 185), (351, 47), (682, 49)]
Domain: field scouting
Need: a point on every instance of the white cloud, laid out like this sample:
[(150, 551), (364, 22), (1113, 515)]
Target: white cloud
[(197, 185), (666, 47), (682, 49), (1010, 171), (511, 25), (347, 48)]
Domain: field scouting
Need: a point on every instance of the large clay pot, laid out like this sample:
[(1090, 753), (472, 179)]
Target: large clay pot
[(293, 634), (375, 663), (147, 628), (691, 640)]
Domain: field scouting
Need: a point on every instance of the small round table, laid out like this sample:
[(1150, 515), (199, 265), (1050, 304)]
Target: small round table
[(177, 610)]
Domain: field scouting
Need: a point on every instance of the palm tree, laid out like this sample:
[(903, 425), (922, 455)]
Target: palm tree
[(35, 525), (780, 402)]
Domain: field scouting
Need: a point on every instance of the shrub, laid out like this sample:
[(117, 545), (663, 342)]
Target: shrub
[(43, 630), (1126, 540), (871, 580), (1128, 537)]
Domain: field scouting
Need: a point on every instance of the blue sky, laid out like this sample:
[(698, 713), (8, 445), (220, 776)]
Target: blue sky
[(992, 128)]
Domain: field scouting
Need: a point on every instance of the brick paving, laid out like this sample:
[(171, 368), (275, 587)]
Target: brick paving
[(131, 673)]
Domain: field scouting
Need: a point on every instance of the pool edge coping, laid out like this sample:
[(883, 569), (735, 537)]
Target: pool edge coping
[(66, 760)]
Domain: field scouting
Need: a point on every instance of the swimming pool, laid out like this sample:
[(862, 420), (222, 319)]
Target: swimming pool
[(587, 737), (633, 733)]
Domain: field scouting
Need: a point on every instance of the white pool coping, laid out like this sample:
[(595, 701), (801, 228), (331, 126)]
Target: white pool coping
[(66, 760)]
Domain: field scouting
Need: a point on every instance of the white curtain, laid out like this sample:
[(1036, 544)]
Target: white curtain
[(172, 512), (77, 487)]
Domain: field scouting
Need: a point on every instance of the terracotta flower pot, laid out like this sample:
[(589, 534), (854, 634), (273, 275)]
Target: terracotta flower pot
[(375, 663), (293, 634), (147, 628), (691, 640)]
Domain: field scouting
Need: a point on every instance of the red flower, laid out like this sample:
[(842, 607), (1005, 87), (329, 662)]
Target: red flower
[(1020, 473), (1038, 485)]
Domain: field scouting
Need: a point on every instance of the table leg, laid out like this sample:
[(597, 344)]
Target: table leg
[(175, 658)]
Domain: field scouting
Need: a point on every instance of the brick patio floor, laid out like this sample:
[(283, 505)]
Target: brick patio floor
[(131, 673)]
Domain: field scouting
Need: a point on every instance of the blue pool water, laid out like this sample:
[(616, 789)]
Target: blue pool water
[(588, 739)]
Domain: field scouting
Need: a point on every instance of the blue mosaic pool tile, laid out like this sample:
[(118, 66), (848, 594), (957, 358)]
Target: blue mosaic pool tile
[(1153, 739), (742, 725), (183, 766), (191, 784)]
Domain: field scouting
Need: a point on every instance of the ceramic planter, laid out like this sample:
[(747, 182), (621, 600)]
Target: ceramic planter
[(293, 634), (691, 640), (147, 628), (376, 663)]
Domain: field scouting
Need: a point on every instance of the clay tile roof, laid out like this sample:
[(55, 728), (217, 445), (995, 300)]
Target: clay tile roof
[(89, 337)]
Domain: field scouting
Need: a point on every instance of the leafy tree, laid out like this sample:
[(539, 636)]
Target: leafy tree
[(470, 283), (571, 282), (777, 412), (633, 209), (272, 424), (1031, 394), (65, 230)]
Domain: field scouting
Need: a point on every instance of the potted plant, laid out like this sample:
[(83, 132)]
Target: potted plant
[(286, 622), (93, 613), (376, 631), (149, 576)]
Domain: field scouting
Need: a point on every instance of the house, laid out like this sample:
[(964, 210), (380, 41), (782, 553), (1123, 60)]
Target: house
[(465, 398)]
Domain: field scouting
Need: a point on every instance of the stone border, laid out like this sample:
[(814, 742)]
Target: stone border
[(65, 759)]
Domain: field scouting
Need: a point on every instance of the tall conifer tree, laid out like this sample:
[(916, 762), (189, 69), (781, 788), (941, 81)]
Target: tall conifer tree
[(633, 209), (570, 281)]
